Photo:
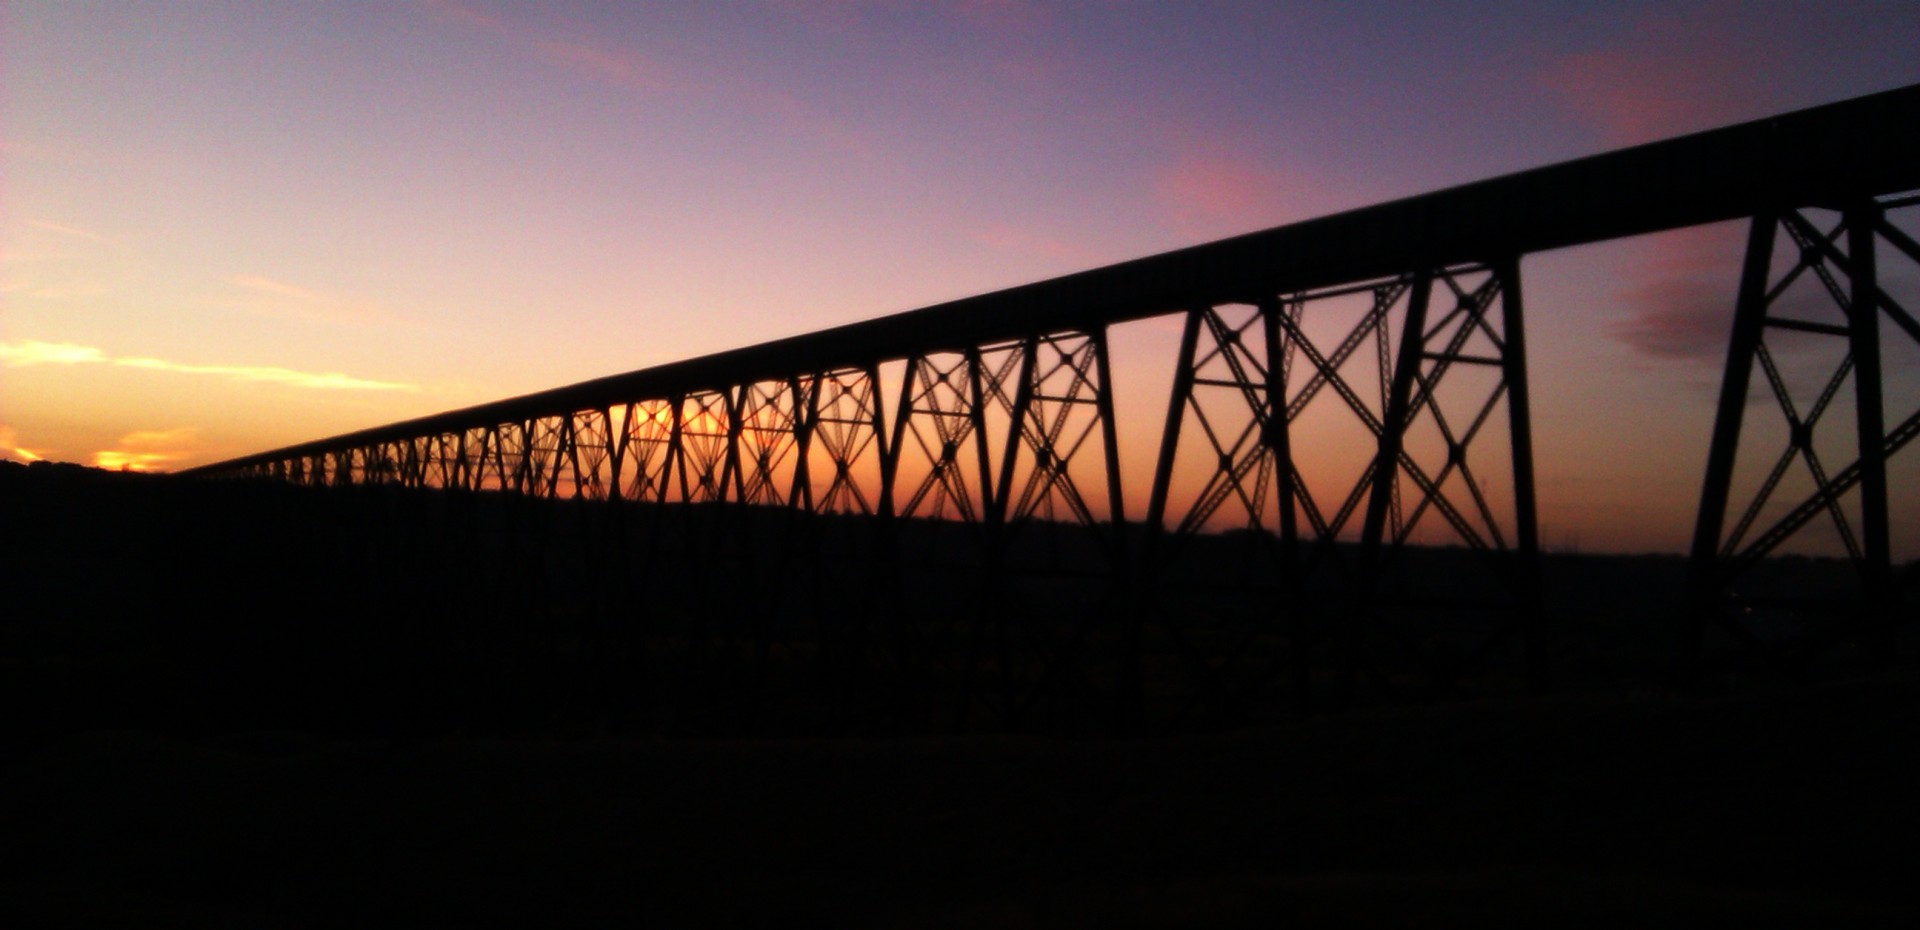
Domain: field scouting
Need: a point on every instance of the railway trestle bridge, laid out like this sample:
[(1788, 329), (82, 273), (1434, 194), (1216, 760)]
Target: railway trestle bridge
[(942, 495)]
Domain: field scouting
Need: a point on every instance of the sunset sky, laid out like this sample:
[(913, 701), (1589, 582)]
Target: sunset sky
[(226, 227)]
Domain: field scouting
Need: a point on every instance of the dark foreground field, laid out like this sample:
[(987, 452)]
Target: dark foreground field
[(202, 734), (1792, 809)]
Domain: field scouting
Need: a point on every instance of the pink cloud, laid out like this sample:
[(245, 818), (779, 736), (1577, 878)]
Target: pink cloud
[(619, 67), (1010, 238), (1677, 318), (1004, 16), (616, 66), (1677, 73), (1682, 307), (1213, 195)]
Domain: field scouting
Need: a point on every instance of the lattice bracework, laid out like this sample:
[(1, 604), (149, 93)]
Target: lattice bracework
[(642, 461), (1829, 307), (941, 423), (844, 428), (702, 439), (764, 440)]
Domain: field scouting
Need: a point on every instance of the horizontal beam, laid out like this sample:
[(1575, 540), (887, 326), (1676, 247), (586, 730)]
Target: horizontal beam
[(1808, 157)]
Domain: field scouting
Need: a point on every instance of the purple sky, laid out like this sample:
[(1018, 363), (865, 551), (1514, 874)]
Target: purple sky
[(233, 226)]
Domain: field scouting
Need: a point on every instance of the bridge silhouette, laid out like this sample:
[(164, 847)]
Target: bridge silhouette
[(942, 490)]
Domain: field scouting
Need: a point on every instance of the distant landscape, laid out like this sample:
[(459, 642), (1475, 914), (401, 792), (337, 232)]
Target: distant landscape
[(238, 701)]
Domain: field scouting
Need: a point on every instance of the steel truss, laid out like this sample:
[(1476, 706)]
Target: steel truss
[(1246, 378), (1342, 501), (1820, 296), (1017, 440)]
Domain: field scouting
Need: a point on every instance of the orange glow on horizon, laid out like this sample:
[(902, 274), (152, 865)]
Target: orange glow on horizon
[(117, 460)]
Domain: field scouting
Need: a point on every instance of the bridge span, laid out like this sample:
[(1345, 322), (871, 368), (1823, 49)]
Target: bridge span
[(998, 412)]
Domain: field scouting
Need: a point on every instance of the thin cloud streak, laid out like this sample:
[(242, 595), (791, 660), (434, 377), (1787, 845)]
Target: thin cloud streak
[(618, 67), (326, 381), (146, 450), (1677, 318), (73, 231), (1683, 308), (627, 69), (1014, 239), (270, 286), (33, 352), (10, 447), (272, 297)]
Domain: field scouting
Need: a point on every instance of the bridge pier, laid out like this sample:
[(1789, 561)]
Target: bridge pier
[(1724, 597)]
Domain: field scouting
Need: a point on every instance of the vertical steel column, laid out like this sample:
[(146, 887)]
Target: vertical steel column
[(1129, 710), (1016, 426), (1276, 433), (977, 416), (1749, 319), (617, 448), (1386, 468), (1863, 317), (731, 473), (675, 451), (525, 465), (1155, 528), (1395, 420), (569, 438), (1513, 360), (804, 415), (1103, 404), (498, 444), (1170, 437), (874, 394), (902, 413)]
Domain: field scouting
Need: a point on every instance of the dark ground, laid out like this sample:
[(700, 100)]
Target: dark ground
[(275, 762)]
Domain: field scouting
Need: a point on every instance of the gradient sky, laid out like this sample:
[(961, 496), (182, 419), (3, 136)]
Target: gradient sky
[(232, 226)]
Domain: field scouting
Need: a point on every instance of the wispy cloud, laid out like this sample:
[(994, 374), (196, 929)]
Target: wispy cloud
[(809, 121), (619, 67), (1017, 16), (1674, 72), (1683, 308), (625, 68), (270, 286), (1216, 194), (1677, 318), (32, 352), (272, 297), (326, 381), (146, 450), (72, 231), (11, 449), (607, 64), (1010, 238), (52, 291)]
